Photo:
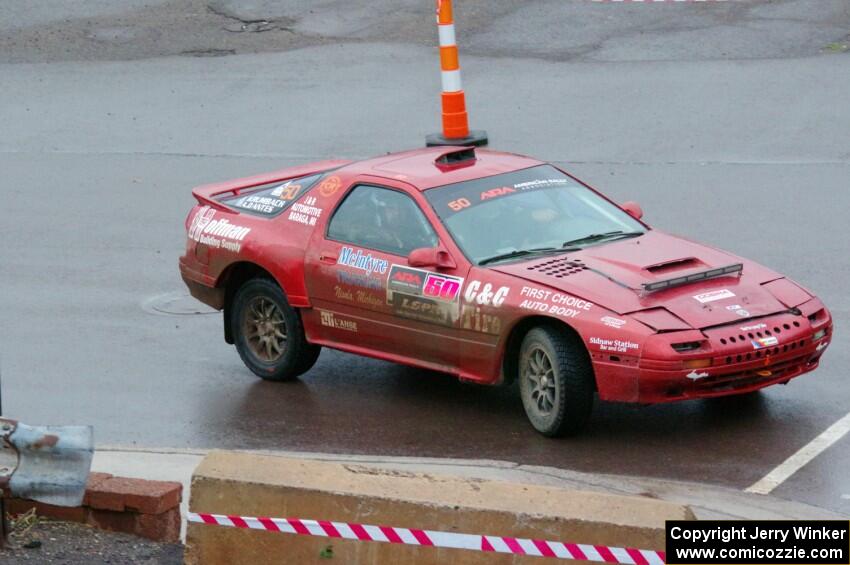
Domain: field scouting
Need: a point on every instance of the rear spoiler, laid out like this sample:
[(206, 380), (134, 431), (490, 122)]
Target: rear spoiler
[(207, 193), (695, 277)]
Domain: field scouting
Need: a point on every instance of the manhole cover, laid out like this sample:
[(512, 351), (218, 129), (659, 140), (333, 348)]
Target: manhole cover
[(176, 304)]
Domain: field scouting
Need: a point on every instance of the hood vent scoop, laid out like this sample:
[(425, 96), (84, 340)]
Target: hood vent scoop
[(735, 269), (678, 264), (558, 268)]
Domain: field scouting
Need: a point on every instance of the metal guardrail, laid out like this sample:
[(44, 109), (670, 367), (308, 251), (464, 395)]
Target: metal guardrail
[(48, 464)]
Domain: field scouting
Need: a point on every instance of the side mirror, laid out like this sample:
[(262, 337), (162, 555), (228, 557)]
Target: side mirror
[(434, 257), (633, 209)]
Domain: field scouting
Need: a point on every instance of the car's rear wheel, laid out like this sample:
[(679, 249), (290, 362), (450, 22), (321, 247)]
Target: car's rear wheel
[(268, 332), (555, 381)]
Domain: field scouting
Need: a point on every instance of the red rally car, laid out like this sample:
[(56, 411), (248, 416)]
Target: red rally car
[(493, 267)]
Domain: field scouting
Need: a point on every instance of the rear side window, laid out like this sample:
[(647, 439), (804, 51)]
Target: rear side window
[(271, 199)]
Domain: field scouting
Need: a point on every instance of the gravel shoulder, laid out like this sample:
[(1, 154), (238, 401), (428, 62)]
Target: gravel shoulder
[(34, 540)]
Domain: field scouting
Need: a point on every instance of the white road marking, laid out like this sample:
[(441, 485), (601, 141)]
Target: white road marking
[(797, 461), (845, 496)]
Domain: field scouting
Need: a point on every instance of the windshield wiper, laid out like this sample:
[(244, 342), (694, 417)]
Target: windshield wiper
[(594, 237), (524, 252)]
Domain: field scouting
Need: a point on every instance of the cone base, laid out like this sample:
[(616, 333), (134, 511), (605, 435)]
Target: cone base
[(476, 138)]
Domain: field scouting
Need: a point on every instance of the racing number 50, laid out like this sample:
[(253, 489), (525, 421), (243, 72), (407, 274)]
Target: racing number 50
[(290, 192), (439, 287), (459, 204)]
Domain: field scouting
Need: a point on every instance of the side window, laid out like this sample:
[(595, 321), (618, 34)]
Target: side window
[(381, 219)]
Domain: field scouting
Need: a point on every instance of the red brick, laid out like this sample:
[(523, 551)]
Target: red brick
[(94, 480), (158, 527), (65, 513), (155, 497), (68, 514), (103, 498), (112, 521), (16, 506), (143, 496)]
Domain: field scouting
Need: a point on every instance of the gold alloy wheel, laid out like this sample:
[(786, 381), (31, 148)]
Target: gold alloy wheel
[(264, 329), (540, 375)]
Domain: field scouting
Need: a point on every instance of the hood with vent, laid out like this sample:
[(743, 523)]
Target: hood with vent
[(613, 275)]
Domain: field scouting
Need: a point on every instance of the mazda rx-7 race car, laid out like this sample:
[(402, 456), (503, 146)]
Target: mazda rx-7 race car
[(493, 267)]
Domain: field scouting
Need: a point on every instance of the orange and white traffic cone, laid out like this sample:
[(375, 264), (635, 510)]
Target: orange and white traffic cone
[(455, 119)]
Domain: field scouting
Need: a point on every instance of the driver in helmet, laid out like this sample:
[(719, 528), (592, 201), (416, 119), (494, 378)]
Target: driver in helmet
[(401, 230)]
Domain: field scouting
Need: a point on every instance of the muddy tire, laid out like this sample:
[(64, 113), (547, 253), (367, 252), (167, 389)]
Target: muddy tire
[(555, 381), (268, 333)]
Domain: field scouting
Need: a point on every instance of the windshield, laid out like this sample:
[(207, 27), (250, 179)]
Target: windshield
[(523, 213)]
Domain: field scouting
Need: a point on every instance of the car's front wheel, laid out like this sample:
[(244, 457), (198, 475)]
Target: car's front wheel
[(555, 381), (268, 333)]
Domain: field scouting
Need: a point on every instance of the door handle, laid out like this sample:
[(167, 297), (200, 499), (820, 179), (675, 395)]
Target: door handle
[(329, 258)]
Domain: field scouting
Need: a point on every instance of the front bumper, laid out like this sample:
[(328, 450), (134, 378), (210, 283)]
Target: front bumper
[(741, 361)]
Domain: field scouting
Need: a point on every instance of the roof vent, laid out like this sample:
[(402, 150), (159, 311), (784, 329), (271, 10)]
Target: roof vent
[(456, 156)]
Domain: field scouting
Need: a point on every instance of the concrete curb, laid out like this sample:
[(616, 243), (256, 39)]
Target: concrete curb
[(149, 509), (709, 502), (243, 484)]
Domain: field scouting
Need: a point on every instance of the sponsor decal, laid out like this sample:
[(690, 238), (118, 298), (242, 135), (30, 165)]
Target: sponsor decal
[(753, 327), (359, 296), (615, 345), (821, 346), (694, 376), (422, 309), (485, 296), (305, 213), (272, 199), (540, 183), (404, 279), (496, 192), (714, 295), (368, 299), (357, 279), (220, 234), (472, 318), (357, 259), (423, 295), (551, 302), (286, 191), (464, 202), (613, 322), (200, 221), (761, 342), (441, 287), (738, 310), (343, 293), (417, 282), (264, 204), (330, 320), (329, 186)]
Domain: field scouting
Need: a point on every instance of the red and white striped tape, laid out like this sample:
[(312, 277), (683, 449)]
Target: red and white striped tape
[(452, 540)]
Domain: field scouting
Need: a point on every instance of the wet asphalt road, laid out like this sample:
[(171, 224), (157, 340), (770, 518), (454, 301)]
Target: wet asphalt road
[(98, 158)]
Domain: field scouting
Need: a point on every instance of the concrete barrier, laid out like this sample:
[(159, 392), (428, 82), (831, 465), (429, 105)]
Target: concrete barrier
[(243, 484)]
